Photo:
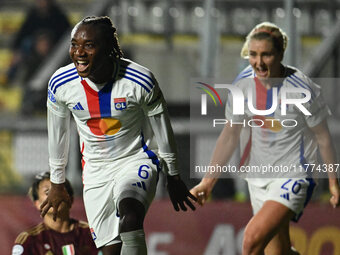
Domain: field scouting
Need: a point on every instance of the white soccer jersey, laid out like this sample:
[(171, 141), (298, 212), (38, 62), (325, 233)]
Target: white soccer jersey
[(109, 116), (276, 139)]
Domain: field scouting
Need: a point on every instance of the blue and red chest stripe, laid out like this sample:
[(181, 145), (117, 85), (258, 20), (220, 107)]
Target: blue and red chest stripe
[(99, 103), (99, 106)]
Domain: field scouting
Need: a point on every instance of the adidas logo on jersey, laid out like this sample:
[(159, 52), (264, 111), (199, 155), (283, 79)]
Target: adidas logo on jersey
[(285, 196), (140, 185), (78, 106)]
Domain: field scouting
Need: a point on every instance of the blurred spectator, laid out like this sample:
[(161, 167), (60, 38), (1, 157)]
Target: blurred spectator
[(30, 44), (42, 45), (44, 15)]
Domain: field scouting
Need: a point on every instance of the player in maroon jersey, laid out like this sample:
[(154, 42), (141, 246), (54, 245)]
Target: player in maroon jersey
[(64, 236)]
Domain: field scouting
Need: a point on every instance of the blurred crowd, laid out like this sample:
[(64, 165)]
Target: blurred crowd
[(44, 25)]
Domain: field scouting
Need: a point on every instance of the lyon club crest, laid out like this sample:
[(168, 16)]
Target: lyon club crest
[(120, 103)]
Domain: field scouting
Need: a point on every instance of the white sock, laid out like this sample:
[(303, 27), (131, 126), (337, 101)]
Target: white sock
[(133, 243)]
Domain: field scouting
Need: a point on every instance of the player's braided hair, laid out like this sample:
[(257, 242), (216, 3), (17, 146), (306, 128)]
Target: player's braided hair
[(108, 31), (33, 190), (267, 31)]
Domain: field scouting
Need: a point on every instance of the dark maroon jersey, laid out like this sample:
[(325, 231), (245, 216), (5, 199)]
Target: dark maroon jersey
[(41, 240)]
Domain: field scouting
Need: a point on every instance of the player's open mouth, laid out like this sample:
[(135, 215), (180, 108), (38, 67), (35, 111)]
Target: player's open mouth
[(262, 72), (82, 65)]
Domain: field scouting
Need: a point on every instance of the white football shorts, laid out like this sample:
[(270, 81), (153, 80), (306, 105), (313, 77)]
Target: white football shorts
[(293, 193), (134, 179)]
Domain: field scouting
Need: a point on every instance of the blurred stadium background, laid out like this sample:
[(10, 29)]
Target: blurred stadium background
[(177, 40)]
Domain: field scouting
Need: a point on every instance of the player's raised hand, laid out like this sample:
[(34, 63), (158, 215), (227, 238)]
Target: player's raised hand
[(179, 194), (335, 192), (56, 196)]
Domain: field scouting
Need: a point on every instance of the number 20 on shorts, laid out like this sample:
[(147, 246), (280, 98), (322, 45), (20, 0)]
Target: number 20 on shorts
[(296, 187)]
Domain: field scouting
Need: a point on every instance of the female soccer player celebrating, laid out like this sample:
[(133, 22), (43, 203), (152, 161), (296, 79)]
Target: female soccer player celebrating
[(275, 199), (115, 103)]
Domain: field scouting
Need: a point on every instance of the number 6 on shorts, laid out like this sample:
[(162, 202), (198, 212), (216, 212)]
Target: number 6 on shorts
[(142, 173)]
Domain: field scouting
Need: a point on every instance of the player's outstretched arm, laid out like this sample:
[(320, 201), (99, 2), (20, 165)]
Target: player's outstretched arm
[(58, 146), (328, 155), (179, 194), (224, 149), (56, 196)]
